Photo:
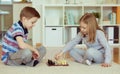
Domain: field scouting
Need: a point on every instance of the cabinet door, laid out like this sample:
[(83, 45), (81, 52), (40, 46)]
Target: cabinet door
[(53, 36)]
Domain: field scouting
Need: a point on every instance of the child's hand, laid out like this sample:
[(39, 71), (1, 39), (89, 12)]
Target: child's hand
[(106, 65), (36, 54), (57, 56)]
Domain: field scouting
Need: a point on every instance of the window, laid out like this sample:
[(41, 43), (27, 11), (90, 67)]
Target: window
[(6, 1), (17, 0)]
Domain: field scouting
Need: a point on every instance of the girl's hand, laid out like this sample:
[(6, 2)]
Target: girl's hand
[(105, 65), (57, 56)]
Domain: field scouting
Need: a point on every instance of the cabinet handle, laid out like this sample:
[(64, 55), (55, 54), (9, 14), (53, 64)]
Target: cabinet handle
[(53, 29)]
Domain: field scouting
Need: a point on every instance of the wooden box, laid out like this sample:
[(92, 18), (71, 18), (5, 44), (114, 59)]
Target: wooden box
[(116, 55)]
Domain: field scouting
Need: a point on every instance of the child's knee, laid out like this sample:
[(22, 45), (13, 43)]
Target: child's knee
[(27, 53), (72, 52), (42, 49), (90, 51)]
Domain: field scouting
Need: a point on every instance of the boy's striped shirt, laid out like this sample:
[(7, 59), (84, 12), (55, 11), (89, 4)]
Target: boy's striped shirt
[(9, 43)]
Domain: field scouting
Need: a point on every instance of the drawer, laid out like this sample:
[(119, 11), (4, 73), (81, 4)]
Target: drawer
[(53, 36)]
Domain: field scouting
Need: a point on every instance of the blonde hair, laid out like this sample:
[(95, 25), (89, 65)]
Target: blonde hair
[(90, 20), (29, 12)]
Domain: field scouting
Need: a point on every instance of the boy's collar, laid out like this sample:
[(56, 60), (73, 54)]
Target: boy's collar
[(25, 29)]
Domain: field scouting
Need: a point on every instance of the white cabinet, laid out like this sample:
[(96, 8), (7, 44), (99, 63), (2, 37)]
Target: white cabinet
[(68, 15), (53, 36)]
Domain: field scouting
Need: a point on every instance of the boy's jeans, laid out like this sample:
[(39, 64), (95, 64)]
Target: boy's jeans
[(25, 56)]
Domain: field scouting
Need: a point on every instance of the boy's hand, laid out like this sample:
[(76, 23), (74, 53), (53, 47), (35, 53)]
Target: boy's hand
[(106, 65), (36, 54)]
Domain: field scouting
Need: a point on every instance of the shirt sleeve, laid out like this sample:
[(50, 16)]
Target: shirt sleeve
[(17, 32), (108, 51), (72, 43)]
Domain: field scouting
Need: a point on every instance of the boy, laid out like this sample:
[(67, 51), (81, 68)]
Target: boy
[(15, 50)]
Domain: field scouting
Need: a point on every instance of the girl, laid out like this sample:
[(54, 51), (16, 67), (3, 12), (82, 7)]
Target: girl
[(98, 49)]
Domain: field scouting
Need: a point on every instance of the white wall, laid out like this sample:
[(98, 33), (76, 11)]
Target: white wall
[(37, 30)]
